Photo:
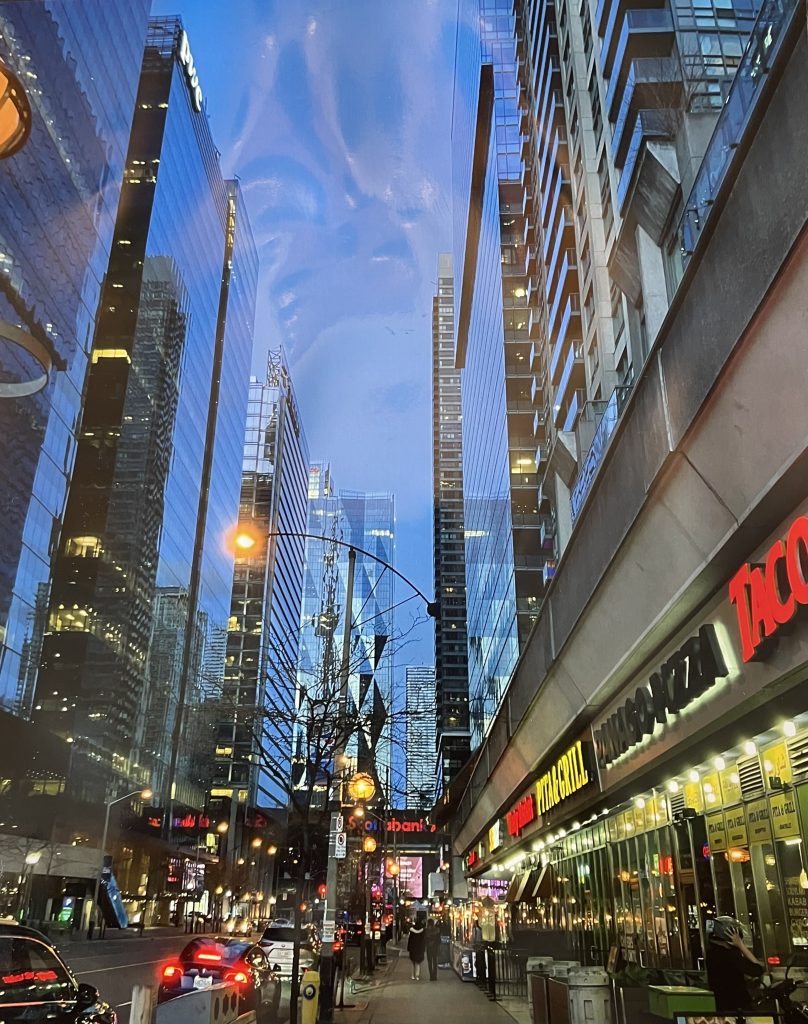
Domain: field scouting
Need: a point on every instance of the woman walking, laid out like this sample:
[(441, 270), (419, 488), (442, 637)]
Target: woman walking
[(432, 948), (416, 945)]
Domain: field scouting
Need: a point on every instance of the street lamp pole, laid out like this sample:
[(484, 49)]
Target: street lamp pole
[(329, 912), (146, 794)]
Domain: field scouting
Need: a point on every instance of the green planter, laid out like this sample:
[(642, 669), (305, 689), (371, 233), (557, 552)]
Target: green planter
[(668, 1000)]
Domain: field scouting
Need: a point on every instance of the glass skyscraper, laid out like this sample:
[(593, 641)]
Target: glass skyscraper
[(141, 594), (419, 741), (451, 639), (58, 203), (366, 520), (254, 753)]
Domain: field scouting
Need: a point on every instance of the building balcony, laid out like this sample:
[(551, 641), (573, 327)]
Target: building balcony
[(649, 124), (561, 235), (534, 325), (569, 328), (619, 15), (574, 409), (608, 418), (572, 378), (542, 453), (547, 532), (565, 283), (549, 570), (539, 417), (652, 83), (644, 34)]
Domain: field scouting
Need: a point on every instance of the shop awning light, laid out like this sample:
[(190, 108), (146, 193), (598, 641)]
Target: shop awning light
[(749, 748), (639, 803), (673, 786), (789, 729), (720, 764), (693, 775)]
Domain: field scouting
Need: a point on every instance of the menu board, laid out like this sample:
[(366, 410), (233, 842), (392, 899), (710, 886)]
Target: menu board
[(785, 823), (716, 832), (735, 825), (758, 821)]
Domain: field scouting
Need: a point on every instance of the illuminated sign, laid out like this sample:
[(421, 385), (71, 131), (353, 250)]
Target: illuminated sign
[(187, 61), (495, 836), (768, 596), (567, 776), (521, 815), (686, 675), (393, 824)]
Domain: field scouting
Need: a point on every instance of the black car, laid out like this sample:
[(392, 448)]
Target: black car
[(37, 985), (206, 962)]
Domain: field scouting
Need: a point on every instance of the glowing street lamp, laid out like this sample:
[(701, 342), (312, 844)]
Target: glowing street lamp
[(15, 113), (361, 788), (369, 844)]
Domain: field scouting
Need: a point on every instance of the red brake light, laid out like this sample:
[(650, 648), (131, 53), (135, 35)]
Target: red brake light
[(171, 971), (212, 957), (337, 946), (773, 961), (239, 977)]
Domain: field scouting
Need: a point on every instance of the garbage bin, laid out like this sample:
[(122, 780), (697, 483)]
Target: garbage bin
[(557, 991), (589, 996), (538, 970)]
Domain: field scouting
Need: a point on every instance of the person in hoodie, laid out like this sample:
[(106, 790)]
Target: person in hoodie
[(432, 948), (416, 946)]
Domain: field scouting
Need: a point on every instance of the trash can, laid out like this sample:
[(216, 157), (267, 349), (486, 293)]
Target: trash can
[(557, 991), (589, 996), (538, 970)]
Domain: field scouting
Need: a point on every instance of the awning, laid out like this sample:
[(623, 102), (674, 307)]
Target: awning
[(522, 887), (516, 881), (543, 886)]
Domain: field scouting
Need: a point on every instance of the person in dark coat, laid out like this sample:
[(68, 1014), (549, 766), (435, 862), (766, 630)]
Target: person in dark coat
[(432, 949), (729, 963), (416, 946)]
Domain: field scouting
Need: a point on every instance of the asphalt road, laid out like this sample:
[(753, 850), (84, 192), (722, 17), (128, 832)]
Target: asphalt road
[(116, 965)]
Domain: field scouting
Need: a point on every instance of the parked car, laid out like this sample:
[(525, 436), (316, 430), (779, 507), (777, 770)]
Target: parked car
[(206, 962), (238, 926), (352, 933), (279, 943), (37, 985)]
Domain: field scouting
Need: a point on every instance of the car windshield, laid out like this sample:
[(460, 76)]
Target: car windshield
[(280, 935), (30, 973)]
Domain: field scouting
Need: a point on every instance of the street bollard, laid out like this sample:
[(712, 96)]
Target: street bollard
[(142, 1005), (310, 991)]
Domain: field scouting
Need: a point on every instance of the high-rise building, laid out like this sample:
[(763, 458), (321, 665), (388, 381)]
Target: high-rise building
[(419, 718), (253, 751), (618, 103), (142, 583), (336, 522), (451, 650), (58, 202)]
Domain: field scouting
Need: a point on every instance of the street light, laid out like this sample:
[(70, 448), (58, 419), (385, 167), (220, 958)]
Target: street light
[(361, 788), (369, 844), (15, 113), (222, 827), (144, 794)]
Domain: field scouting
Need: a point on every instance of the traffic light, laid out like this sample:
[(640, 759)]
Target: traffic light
[(322, 891)]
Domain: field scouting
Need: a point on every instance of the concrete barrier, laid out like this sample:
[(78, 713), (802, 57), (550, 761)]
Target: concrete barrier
[(215, 1005)]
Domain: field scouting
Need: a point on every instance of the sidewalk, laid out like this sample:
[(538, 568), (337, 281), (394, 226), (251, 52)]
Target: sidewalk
[(394, 999)]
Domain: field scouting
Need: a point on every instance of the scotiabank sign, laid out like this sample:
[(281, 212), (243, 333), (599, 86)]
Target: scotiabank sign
[(769, 595)]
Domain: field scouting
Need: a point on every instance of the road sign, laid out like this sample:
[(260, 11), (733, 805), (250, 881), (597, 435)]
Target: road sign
[(340, 845), (328, 932), (339, 825)]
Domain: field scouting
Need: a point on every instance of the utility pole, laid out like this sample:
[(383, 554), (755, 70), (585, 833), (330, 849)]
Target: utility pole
[(329, 914)]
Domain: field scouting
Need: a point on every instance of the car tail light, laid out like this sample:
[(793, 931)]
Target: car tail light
[(209, 957), (171, 972), (337, 946), (239, 977), (773, 961)]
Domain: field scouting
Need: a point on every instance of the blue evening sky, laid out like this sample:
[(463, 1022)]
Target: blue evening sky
[(335, 115)]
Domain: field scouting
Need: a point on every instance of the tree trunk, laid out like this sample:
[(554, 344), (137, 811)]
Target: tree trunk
[(295, 986)]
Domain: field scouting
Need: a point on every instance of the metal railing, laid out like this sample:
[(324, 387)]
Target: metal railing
[(605, 428)]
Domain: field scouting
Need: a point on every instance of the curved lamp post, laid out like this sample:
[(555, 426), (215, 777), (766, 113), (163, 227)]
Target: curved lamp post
[(145, 794)]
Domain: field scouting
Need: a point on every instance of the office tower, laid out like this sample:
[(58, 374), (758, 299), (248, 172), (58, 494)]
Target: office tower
[(618, 103), (419, 720), (58, 202), (253, 752), (451, 651), (141, 590), (336, 521)]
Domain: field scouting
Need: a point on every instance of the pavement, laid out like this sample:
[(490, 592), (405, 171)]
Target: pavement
[(391, 997)]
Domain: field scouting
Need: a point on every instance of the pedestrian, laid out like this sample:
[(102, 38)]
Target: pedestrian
[(416, 945), (729, 963), (432, 948), (476, 933)]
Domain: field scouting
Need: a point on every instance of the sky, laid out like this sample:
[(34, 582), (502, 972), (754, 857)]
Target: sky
[(335, 115)]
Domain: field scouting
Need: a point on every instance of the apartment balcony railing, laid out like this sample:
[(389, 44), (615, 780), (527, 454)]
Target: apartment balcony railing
[(572, 378), (631, 20), (549, 570), (574, 409), (570, 321), (608, 416), (765, 44), (542, 451), (565, 282), (650, 124), (652, 83), (644, 34)]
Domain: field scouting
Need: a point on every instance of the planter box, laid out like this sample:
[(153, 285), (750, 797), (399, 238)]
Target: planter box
[(668, 1000)]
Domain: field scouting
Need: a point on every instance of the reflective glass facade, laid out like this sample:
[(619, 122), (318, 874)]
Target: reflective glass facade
[(420, 732), (451, 638), (58, 202), (366, 520), (141, 592), (263, 631), (490, 578)]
